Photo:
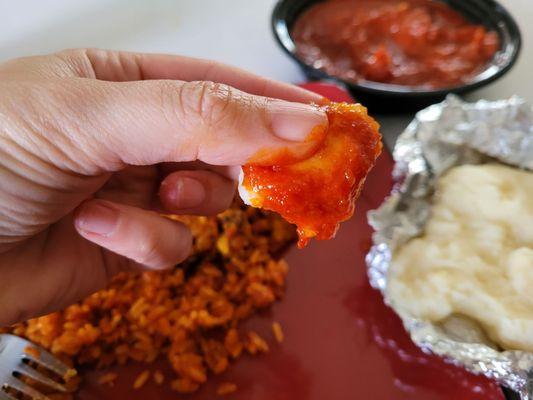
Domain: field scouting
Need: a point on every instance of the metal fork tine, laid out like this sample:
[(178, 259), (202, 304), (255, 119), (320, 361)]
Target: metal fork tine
[(26, 389), (47, 360), (39, 377), (6, 396)]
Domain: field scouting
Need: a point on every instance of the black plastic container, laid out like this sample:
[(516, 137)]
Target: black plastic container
[(383, 97)]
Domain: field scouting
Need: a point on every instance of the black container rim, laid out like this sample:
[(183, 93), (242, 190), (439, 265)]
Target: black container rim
[(281, 33)]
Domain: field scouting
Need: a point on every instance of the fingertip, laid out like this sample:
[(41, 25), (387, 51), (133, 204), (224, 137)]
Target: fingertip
[(296, 121), (142, 236), (196, 192), (182, 192), (97, 217), (182, 247)]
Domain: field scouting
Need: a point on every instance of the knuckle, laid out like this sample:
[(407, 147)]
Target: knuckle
[(77, 61), (75, 52), (170, 101), (209, 103)]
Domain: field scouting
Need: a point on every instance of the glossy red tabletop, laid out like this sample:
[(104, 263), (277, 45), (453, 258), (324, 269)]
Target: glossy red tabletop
[(341, 341)]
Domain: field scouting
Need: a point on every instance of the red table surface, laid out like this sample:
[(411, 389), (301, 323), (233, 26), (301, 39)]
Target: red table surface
[(341, 341)]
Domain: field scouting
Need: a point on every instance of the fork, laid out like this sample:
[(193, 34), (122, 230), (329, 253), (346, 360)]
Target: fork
[(15, 355)]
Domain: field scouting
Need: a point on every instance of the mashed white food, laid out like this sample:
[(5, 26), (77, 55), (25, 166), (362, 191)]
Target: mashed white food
[(476, 255)]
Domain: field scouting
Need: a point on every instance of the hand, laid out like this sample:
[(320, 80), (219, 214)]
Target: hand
[(84, 135)]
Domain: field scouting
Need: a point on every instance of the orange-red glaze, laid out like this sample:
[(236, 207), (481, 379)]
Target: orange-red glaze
[(319, 192), (421, 43), (285, 155)]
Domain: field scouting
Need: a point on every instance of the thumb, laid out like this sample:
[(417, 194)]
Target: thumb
[(148, 122)]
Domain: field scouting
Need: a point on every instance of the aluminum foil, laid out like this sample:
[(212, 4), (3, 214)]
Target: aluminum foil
[(442, 136)]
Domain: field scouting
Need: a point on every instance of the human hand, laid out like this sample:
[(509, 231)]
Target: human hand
[(94, 143)]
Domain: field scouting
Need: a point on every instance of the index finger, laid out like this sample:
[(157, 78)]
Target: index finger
[(121, 66)]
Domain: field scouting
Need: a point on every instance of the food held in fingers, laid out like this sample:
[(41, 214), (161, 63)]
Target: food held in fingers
[(318, 193)]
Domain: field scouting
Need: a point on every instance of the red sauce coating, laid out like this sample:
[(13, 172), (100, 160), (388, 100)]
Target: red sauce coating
[(418, 43), (286, 155), (319, 192)]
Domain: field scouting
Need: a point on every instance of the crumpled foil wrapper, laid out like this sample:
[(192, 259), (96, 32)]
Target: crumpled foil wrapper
[(442, 136)]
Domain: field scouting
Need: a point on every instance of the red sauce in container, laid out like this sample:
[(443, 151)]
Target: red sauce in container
[(417, 43)]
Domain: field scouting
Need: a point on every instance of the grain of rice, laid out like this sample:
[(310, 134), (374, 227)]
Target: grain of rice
[(141, 379), (33, 351), (184, 385), (277, 331), (233, 343), (256, 344), (226, 388), (108, 379), (71, 373), (159, 378)]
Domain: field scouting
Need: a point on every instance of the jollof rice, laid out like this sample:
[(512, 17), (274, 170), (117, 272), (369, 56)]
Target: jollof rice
[(190, 315)]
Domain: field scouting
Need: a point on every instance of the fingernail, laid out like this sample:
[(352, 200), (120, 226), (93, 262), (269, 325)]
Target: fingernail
[(185, 193), (97, 218), (295, 121)]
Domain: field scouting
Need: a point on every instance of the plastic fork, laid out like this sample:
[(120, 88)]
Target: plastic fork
[(15, 355)]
